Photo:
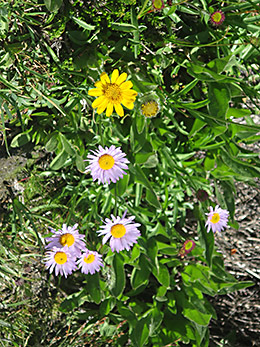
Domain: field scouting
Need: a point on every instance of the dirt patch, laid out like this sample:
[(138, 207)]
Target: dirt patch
[(238, 323)]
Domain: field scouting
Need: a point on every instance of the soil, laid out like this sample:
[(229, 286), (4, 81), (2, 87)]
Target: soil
[(238, 323)]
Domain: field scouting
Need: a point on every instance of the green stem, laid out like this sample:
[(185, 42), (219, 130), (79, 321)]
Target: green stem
[(100, 133), (115, 208), (142, 9)]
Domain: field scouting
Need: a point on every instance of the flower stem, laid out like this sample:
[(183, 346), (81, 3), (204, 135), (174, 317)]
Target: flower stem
[(115, 208), (142, 9)]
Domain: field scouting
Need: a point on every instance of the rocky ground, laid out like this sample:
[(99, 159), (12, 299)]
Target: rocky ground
[(238, 323)]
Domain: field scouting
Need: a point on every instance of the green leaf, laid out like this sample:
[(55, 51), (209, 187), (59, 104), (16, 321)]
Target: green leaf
[(156, 320), (53, 5), (67, 145), (209, 164), (118, 266), (81, 166), (141, 157), (239, 166), (124, 27), (52, 144), (140, 122), (140, 276), (237, 112), (219, 97), (187, 88), (93, 287), (83, 24), (231, 287), (141, 332), (196, 316), (126, 313), (162, 275), (122, 185), (150, 194), (193, 105), (205, 74), (20, 140), (59, 161)]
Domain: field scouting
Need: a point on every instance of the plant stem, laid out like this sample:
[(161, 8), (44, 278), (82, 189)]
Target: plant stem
[(142, 9)]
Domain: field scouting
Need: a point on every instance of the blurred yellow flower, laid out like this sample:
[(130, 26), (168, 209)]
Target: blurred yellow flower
[(113, 94), (150, 108)]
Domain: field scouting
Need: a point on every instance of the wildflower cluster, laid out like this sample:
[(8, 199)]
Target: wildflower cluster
[(66, 248)]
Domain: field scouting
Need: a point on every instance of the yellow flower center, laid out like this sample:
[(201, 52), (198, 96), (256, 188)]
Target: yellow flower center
[(60, 258), (113, 92), (217, 17), (188, 245), (67, 239), (118, 231), (215, 218), (106, 162), (89, 259), (150, 108), (157, 4)]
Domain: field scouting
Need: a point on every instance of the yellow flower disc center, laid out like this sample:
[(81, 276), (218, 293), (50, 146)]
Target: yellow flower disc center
[(113, 92), (89, 259), (60, 258), (188, 245), (67, 239), (106, 162), (215, 218), (150, 108), (118, 231), (217, 17)]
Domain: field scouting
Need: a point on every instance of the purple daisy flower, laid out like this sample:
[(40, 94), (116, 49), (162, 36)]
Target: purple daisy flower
[(158, 4), (90, 262), (217, 18), (217, 219), (62, 260), (123, 232), (188, 246), (67, 236), (107, 164)]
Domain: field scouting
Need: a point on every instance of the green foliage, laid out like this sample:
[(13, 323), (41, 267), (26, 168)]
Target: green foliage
[(51, 55)]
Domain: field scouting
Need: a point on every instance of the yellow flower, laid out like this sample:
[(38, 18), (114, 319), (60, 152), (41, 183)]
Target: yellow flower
[(150, 108), (111, 94)]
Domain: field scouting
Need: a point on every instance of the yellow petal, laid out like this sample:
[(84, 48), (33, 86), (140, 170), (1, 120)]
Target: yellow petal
[(126, 85), (119, 110), (95, 92), (129, 95), (121, 78), (114, 76), (98, 84), (98, 101), (109, 110), (129, 105), (102, 107), (104, 78), (128, 99)]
